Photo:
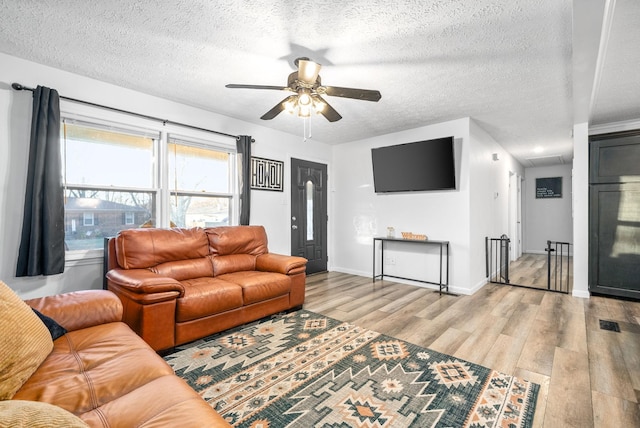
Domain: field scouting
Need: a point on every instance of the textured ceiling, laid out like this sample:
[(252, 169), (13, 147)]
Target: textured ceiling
[(505, 63)]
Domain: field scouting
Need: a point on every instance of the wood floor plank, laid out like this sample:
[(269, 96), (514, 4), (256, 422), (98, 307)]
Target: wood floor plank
[(629, 344), (521, 321), (450, 341), (569, 401), (621, 310), (476, 347), (503, 354), (609, 374), (428, 332), (400, 303), (533, 297), (438, 306), (508, 304), (537, 355), (569, 327), (321, 305), (597, 306), (612, 411)]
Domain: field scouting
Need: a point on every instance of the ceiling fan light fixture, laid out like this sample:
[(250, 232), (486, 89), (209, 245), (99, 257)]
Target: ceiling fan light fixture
[(306, 93)]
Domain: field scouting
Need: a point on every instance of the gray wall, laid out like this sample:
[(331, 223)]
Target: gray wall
[(547, 219)]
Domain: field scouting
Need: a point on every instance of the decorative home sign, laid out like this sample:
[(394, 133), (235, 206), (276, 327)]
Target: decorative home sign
[(550, 187), (267, 174)]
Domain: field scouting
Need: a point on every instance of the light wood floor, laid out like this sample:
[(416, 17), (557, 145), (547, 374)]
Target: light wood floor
[(530, 270), (588, 377)]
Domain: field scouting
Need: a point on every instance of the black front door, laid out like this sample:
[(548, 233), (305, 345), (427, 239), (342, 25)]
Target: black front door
[(309, 213)]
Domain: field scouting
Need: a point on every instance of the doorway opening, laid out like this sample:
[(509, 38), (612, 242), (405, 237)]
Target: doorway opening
[(552, 271)]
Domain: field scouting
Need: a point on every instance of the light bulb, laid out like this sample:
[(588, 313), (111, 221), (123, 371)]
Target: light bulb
[(304, 111), (304, 99), (290, 107)]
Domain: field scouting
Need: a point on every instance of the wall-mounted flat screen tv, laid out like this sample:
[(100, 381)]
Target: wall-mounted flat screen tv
[(413, 167)]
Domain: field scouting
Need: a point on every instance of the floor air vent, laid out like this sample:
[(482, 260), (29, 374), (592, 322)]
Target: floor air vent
[(610, 326)]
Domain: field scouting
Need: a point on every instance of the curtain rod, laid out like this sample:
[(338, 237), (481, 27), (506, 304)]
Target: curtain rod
[(19, 87)]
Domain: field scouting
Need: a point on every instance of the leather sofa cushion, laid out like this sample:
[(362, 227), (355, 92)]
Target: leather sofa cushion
[(207, 296), (259, 286), (144, 248), (90, 367), (185, 269), (80, 309), (226, 240), (164, 402), (233, 263)]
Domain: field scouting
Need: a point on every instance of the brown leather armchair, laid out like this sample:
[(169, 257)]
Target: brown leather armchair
[(178, 285)]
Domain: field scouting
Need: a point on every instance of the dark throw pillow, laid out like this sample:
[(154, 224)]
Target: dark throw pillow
[(55, 329)]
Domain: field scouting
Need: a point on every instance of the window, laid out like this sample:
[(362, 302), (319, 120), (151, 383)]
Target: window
[(199, 183), (87, 219), (129, 218), (119, 176)]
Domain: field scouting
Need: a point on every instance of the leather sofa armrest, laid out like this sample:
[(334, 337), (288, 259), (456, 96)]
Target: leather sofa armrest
[(288, 265), (80, 309), (143, 281)]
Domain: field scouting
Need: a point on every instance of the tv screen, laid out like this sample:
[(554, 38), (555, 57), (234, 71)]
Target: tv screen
[(419, 166)]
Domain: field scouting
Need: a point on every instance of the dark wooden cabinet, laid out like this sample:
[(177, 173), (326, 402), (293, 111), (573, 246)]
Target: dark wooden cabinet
[(614, 214)]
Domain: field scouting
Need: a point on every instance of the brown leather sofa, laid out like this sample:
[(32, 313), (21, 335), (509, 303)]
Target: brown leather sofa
[(103, 373), (178, 285)]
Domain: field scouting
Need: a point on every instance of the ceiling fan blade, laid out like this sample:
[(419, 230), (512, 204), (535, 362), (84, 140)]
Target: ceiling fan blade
[(328, 112), (277, 109), (308, 71), (358, 94), (279, 88)]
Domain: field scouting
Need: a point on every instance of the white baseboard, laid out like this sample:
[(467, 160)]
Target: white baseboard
[(534, 252), (350, 271), (452, 289), (584, 294)]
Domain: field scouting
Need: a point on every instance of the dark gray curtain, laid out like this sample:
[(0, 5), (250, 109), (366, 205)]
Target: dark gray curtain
[(243, 144), (42, 244)]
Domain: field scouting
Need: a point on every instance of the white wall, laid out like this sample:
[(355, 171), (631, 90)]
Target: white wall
[(489, 206), (360, 213), (550, 218), (464, 216), (268, 208)]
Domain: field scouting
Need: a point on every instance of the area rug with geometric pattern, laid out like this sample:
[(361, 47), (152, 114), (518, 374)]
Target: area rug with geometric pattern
[(302, 369)]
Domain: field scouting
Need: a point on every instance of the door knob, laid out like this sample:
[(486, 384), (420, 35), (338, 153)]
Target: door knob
[(294, 227)]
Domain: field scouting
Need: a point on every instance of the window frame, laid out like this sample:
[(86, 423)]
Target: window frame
[(90, 115)]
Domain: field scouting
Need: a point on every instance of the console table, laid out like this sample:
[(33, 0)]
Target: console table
[(444, 260)]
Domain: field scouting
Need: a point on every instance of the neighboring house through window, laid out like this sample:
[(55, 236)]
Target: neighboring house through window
[(129, 176)]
